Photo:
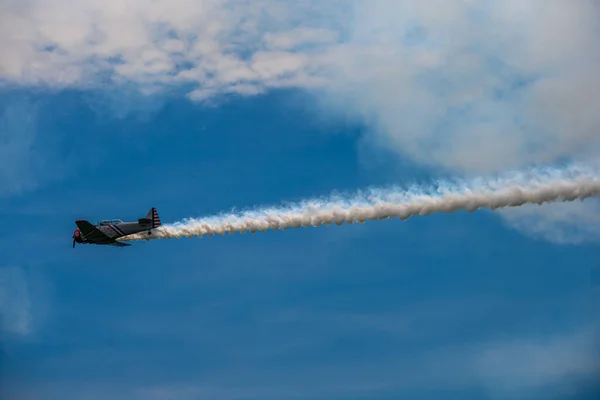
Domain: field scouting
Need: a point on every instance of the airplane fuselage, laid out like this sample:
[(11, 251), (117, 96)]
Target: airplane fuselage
[(124, 229)]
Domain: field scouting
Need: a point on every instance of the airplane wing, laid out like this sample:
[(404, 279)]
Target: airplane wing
[(120, 244), (92, 233)]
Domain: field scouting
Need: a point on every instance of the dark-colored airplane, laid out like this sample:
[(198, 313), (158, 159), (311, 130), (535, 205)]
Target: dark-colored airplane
[(108, 231)]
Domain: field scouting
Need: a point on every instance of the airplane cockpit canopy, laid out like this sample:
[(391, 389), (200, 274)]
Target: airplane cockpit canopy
[(110, 222)]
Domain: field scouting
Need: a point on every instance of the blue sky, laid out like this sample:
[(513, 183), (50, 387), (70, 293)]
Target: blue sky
[(481, 305)]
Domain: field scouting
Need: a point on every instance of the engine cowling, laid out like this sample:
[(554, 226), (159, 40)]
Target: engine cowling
[(77, 237)]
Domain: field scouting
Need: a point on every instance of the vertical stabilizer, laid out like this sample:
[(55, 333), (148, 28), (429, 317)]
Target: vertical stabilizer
[(153, 216)]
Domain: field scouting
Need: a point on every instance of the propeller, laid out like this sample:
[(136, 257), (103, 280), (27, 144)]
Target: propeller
[(76, 236)]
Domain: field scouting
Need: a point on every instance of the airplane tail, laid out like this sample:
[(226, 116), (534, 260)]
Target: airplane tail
[(154, 218)]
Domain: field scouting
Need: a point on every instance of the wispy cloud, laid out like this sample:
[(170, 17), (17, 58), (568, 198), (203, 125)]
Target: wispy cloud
[(521, 367), (574, 223), (29, 157), (15, 306), (525, 366), (19, 166)]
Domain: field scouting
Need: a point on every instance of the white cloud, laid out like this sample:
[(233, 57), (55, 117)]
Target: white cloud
[(439, 81), (15, 307), (208, 43), (463, 85), (466, 86)]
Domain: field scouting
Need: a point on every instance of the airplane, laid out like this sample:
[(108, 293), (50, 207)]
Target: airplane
[(108, 231)]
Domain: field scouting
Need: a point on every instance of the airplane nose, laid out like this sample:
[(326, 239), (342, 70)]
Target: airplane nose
[(76, 237)]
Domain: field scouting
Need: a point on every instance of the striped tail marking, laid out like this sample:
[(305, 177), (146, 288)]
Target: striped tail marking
[(155, 218)]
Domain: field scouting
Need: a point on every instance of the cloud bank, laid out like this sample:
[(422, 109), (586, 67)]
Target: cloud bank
[(463, 86)]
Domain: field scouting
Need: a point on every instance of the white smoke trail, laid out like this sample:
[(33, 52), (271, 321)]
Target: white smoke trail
[(536, 186)]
